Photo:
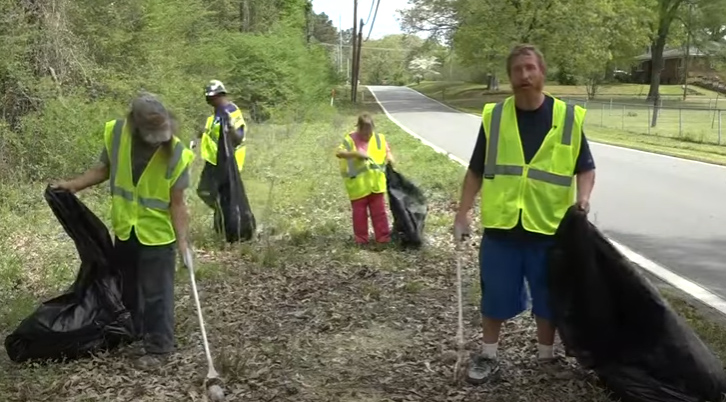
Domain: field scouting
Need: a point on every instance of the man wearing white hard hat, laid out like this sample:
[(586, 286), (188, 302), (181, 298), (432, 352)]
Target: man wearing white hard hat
[(223, 110)]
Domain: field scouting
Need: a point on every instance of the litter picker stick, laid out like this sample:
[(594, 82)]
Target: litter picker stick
[(214, 389), (460, 329)]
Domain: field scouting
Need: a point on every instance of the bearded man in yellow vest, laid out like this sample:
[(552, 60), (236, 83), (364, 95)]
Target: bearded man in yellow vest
[(148, 171), (531, 162), (223, 111), (363, 155)]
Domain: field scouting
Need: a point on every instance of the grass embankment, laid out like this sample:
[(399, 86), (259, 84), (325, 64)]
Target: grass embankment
[(620, 116), (300, 314), (607, 91)]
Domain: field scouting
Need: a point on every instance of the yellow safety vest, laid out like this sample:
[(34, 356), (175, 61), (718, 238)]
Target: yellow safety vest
[(544, 188), (363, 178), (210, 137), (145, 206)]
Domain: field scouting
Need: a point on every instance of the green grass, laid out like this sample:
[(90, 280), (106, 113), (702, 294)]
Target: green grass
[(709, 153), (299, 314), (710, 329), (691, 132), (688, 125), (463, 89), (304, 253)]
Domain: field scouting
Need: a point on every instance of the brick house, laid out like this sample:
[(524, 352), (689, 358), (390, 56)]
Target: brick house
[(700, 64)]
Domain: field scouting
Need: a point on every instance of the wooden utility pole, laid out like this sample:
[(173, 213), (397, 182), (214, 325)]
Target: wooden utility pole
[(340, 44), (355, 29), (357, 61)]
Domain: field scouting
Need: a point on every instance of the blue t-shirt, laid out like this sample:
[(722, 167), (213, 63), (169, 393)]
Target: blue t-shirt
[(533, 128)]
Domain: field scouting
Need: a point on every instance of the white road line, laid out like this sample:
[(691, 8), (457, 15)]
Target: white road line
[(589, 140), (691, 288), (418, 137), (439, 102)]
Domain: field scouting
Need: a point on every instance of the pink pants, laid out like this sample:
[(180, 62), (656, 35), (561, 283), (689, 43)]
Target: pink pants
[(376, 203)]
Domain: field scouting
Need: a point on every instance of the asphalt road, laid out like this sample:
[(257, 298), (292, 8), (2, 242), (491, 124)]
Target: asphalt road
[(671, 211)]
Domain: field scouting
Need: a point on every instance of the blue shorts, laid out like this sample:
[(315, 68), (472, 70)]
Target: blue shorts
[(504, 265)]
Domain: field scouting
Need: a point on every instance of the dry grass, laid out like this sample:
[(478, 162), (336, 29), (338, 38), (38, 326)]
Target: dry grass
[(299, 314)]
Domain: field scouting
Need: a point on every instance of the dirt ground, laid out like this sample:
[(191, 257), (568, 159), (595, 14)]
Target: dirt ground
[(317, 329)]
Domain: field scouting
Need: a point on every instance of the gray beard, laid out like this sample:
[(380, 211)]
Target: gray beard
[(143, 142)]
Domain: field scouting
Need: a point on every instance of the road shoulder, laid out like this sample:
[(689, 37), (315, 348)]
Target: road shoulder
[(679, 148)]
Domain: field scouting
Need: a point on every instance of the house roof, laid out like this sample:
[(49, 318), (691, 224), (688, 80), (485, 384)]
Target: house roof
[(672, 54), (706, 48)]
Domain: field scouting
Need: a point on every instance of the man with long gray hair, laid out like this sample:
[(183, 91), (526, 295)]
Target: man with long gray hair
[(148, 170)]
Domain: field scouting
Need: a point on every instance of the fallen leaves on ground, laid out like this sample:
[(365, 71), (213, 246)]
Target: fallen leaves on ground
[(304, 315), (318, 328)]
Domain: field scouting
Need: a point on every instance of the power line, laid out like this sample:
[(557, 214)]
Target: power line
[(354, 48), (358, 51), (370, 12), (378, 3), (391, 49), (340, 44)]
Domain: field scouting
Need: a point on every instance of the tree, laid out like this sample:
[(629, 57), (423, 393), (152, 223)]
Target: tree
[(421, 66), (437, 17), (709, 23), (707, 26), (605, 31), (323, 29), (347, 35), (667, 11), (68, 66), (386, 60), (616, 32)]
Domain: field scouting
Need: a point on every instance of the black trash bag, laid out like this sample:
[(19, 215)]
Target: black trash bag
[(233, 216), (89, 317), (408, 207), (614, 321)]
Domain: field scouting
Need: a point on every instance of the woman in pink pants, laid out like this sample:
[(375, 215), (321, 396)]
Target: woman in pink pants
[(363, 156)]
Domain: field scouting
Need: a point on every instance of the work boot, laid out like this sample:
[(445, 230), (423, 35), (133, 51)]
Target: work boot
[(150, 361), (482, 369), (135, 350), (556, 368)]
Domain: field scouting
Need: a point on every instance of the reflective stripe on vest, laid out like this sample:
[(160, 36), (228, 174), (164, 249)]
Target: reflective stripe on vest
[(142, 207), (210, 138), (352, 172), (539, 191), (363, 178), (491, 168), (127, 195)]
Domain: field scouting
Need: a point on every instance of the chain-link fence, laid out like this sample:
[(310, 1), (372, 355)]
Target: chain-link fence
[(699, 121)]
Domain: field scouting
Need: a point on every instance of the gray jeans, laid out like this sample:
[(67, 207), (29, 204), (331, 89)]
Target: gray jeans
[(148, 291)]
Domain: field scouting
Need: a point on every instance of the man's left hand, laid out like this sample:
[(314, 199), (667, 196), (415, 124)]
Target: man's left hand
[(584, 205)]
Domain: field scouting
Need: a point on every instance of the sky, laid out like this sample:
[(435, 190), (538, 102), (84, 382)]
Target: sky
[(386, 21)]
